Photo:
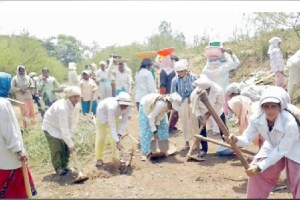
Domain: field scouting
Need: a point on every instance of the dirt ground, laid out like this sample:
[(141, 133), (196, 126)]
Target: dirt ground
[(173, 177)]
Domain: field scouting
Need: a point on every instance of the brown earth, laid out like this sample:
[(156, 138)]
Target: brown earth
[(173, 177)]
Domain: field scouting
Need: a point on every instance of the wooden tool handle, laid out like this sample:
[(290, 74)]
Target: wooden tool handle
[(15, 101), (237, 151), (223, 144), (26, 180)]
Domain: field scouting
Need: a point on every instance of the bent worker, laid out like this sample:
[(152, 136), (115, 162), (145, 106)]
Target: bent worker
[(59, 125), (281, 148), (108, 125), (153, 118), (12, 151)]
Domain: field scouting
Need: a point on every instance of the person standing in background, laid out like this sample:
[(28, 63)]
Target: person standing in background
[(22, 85), (276, 61), (88, 88), (103, 81)]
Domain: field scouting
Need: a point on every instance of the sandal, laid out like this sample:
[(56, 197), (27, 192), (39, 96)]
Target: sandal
[(99, 163)]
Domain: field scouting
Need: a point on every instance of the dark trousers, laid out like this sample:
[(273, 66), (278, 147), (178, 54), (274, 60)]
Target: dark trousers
[(59, 152), (174, 120), (138, 105), (204, 144)]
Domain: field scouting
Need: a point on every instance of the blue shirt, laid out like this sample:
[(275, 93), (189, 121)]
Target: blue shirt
[(183, 86)]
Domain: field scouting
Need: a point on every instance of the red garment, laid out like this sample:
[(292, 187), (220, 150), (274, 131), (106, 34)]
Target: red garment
[(12, 184), (163, 90)]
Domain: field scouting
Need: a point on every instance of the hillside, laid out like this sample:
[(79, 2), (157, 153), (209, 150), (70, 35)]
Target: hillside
[(28, 51)]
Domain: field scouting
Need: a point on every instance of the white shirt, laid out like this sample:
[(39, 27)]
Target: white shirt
[(61, 119), (102, 76), (123, 80), (218, 72), (108, 111), (276, 60), (10, 137), (157, 113), (215, 97), (145, 84), (88, 89), (282, 141)]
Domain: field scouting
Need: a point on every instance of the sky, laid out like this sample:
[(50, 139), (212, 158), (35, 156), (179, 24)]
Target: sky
[(124, 22)]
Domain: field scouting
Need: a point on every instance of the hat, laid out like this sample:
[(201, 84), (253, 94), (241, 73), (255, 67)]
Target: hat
[(72, 91), (181, 65), (175, 99), (202, 82), (124, 99), (269, 100), (215, 44)]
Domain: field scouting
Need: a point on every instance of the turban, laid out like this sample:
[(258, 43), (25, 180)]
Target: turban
[(72, 91), (5, 84)]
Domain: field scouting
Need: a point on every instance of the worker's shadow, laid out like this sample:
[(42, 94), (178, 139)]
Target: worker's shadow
[(241, 186), (61, 180), (169, 159)]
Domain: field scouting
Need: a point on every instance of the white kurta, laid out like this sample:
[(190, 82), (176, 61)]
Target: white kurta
[(123, 81), (10, 137), (276, 60), (282, 141), (61, 119), (108, 111), (145, 84), (104, 84), (293, 64)]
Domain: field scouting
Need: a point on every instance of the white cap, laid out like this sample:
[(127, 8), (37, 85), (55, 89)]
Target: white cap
[(124, 99), (72, 91)]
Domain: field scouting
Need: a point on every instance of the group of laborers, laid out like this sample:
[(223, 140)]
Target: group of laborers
[(106, 92)]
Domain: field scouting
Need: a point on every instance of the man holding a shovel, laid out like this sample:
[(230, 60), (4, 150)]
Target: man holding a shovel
[(58, 125), (109, 125)]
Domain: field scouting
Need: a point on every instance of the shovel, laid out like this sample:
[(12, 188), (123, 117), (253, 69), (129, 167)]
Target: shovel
[(81, 177)]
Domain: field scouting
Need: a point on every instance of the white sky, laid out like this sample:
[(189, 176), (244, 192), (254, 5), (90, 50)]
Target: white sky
[(122, 22)]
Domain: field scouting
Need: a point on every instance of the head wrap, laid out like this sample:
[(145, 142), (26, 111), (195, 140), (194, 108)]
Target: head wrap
[(72, 91), (146, 62), (202, 82), (274, 42), (275, 94), (233, 88), (5, 84), (175, 99), (181, 65)]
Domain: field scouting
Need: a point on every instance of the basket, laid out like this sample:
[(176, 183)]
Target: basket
[(147, 54), (165, 52)]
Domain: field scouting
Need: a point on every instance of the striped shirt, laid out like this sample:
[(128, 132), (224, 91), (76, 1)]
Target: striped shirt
[(183, 86)]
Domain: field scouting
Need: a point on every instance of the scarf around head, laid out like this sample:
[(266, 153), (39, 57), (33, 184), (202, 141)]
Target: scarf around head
[(5, 84)]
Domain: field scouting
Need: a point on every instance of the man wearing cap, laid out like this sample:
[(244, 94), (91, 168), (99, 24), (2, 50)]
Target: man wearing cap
[(59, 124), (183, 85), (109, 126), (123, 80), (144, 80), (103, 81), (153, 118), (47, 84), (276, 61), (88, 88)]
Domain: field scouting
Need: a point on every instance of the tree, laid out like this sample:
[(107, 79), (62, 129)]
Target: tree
[(65, 48), (268, 21)]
